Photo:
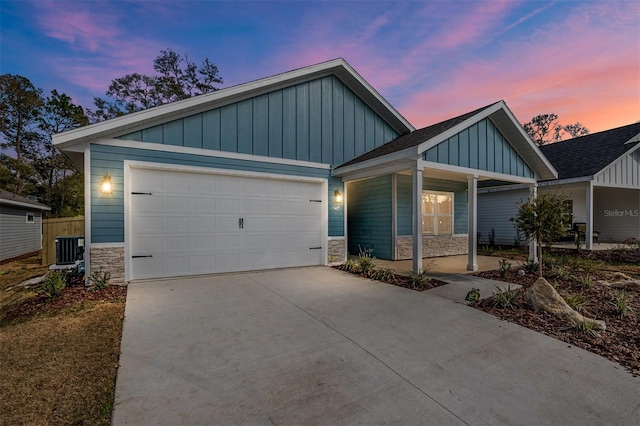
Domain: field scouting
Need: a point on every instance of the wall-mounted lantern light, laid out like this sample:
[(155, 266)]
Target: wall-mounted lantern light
[(105, 186), (338, 196)]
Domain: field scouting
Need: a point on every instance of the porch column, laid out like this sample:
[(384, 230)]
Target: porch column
[(472, 188), (588, 234), (533, 245), (417, 217)]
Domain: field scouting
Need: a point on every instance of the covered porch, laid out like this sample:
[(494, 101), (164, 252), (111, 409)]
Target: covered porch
[(416, 196)]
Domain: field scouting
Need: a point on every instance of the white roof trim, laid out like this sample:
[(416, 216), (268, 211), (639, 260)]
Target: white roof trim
[(405, 154), (634, 139), (150, 146), (629, 152), (161, 114), (430, 165), (26, 205)]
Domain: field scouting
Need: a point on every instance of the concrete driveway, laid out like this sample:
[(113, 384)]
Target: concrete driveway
[(319, 346)]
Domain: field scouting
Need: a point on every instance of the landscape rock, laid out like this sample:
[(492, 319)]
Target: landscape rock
[(31, 282), (542, 296), (622, 281)]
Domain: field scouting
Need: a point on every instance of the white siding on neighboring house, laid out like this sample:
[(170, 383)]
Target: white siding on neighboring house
[(17, 236), (576, 192), (616, 213), (494, 211), (624, 172)]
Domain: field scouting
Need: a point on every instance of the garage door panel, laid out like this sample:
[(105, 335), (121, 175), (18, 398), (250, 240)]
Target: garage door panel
[(175, 182), (190, 225), (227, 205)]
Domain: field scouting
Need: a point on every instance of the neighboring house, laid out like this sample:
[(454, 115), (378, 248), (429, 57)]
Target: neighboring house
[(20, 225), (253, 176), (598, 173)]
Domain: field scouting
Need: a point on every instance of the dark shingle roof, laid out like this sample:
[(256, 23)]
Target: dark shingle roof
[(415, 138), (587, 155), (7, 197)]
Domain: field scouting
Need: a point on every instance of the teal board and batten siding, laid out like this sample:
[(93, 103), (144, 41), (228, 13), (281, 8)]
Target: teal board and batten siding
[(107, 212), (405, 202), (369, 218), (480, 146), (320, 121)]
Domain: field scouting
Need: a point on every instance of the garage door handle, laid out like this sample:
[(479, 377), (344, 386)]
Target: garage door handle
[(141, 193), (315, 248), (147, 255)]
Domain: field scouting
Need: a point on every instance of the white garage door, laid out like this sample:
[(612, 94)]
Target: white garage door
[(185, 223)]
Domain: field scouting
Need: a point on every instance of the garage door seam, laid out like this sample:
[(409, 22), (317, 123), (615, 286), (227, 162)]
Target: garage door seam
[(358, 345)]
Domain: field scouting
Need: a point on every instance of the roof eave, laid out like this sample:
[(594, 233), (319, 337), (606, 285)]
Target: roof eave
[(22, 204)]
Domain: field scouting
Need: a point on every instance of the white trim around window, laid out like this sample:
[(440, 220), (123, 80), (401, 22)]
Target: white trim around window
[(437, 213), (30, 217)]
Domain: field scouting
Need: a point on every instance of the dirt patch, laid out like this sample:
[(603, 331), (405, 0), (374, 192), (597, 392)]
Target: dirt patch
[(72, 298)]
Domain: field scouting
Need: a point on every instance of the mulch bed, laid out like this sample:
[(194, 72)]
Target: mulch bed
[(70, 297), (620, 342), (396, 279)]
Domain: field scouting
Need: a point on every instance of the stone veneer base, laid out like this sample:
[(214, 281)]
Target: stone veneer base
[(336, 251), (109, 259), (449, 245)]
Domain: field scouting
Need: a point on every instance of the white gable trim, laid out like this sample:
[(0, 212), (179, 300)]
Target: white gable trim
[(173, 111), (149, 146), (629, 152)]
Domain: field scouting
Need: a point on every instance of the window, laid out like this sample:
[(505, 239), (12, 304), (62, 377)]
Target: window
[(437, 213), (30, 218)]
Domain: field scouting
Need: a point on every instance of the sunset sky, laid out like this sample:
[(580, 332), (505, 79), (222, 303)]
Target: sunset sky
[(432, 60)]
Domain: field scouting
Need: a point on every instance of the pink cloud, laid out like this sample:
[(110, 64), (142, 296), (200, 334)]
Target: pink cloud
[(83, 30), (103, 49), (588, 76)]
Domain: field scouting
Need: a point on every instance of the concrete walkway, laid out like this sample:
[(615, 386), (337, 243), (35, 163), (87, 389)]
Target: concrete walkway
[(443, 265), (319, 346)]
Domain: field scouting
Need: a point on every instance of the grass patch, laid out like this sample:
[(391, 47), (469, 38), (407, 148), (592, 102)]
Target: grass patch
[(59, 356)]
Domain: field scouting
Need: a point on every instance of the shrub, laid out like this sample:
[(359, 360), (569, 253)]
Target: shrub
[(506, 298), (621, 302), (420, 280), (529, 266), (99, 280), (560, 272), (504, 268), (492, 238), (54, 283), (588, 327), (350, 266), (575, 301), (367, 264), (383, 273), (585, 281)]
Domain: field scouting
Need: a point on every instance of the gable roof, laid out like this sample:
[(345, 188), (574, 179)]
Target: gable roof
[(164, 113), (587, 155), (12, 199), (418, 141), (414, 138)]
